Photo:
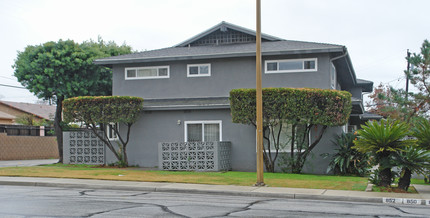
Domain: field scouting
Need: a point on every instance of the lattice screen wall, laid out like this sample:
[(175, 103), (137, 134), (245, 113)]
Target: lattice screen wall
[(83, 147), (194, 156)]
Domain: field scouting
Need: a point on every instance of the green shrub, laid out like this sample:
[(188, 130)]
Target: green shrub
[(301, 108), (346, 160), (101, 111)]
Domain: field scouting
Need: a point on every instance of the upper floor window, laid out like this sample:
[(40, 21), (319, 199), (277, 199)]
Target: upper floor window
[(155, 72), (291, 65), (195, 70), (333, 80)]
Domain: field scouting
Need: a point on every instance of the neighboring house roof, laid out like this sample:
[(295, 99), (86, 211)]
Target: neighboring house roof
[(7, 116), (186, 103), (38, 110)]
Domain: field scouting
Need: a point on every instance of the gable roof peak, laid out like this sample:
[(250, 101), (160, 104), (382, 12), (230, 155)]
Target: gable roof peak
[(225, 33)]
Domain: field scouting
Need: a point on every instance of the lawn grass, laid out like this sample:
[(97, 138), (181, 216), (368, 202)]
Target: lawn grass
[(419, 182), (216, 178)]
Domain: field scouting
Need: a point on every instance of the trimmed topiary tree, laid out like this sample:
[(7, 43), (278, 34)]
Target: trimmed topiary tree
[(301, 108), (99, 112)]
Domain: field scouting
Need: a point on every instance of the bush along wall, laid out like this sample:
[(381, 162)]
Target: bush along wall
[(292, 106), (100, 111)]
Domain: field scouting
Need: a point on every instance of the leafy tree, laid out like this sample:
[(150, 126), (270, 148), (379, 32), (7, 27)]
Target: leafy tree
[(63, 69), (99, 112), (348, 161), (419, 76), (396, 103), (382, 140), (390, 103), (304, 109), (421, 131), (31, 120)]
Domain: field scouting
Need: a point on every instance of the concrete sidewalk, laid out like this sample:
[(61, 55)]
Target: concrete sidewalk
[(26, 163), (295, 193)]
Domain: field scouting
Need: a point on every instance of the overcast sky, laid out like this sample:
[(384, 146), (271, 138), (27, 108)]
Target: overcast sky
[(376, 33)]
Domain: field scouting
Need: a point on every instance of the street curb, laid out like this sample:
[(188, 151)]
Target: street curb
[(198, 191)]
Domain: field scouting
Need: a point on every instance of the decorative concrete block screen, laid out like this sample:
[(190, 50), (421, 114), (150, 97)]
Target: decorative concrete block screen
[(83, 147), (194, 156)]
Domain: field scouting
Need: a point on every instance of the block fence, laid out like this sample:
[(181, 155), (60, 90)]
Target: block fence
[(27, 147), (83, 147)]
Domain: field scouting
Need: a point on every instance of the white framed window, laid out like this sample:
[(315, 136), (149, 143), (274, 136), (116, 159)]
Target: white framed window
[(291, 65), (198, 70), (155, 72), (333, 79), (203, 131), (110, 132)]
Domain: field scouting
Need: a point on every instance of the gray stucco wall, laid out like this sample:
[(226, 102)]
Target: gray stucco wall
[(226, 74), (356, 92), (162, 126)]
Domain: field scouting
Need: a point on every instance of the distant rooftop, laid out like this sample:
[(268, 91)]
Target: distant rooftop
[(6, 116), (39, 110)]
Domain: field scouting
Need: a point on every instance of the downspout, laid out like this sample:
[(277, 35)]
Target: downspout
[(338, 57), (347, 63)]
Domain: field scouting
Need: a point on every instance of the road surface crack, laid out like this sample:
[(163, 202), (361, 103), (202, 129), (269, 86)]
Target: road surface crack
[(162, 207), (247, 207), (84, 192)]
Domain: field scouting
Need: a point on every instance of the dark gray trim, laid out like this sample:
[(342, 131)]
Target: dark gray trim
[(366, 85), (130, 60), (186, 104)]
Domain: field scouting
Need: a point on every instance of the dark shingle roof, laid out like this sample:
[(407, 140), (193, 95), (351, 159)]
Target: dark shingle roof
[(220, 51)]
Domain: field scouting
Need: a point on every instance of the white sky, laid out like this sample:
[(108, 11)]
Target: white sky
[(376, 33)]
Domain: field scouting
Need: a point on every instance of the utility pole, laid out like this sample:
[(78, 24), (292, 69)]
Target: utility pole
[(407, 76), (259, 100)]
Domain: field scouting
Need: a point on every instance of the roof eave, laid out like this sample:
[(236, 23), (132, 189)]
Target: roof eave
[(185, 107), (209, 56)]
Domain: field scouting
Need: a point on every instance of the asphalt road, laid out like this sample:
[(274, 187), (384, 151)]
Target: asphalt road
[(24, 201)]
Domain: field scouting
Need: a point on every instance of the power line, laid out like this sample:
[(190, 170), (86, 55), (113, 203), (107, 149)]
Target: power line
[(12, 86), (7, 78)]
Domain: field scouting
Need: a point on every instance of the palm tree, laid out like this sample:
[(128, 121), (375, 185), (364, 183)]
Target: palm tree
[(412, 160), (382, 140)]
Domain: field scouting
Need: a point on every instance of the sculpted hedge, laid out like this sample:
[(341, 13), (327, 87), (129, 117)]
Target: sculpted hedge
[(302, 108)]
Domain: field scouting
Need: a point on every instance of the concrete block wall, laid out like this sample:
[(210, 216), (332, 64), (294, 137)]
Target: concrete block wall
[(27, 147)]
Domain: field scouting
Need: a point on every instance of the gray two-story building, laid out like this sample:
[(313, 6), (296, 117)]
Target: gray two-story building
[(186, 88)]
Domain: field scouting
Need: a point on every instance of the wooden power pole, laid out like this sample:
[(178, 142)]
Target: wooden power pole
[(259, 95)]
